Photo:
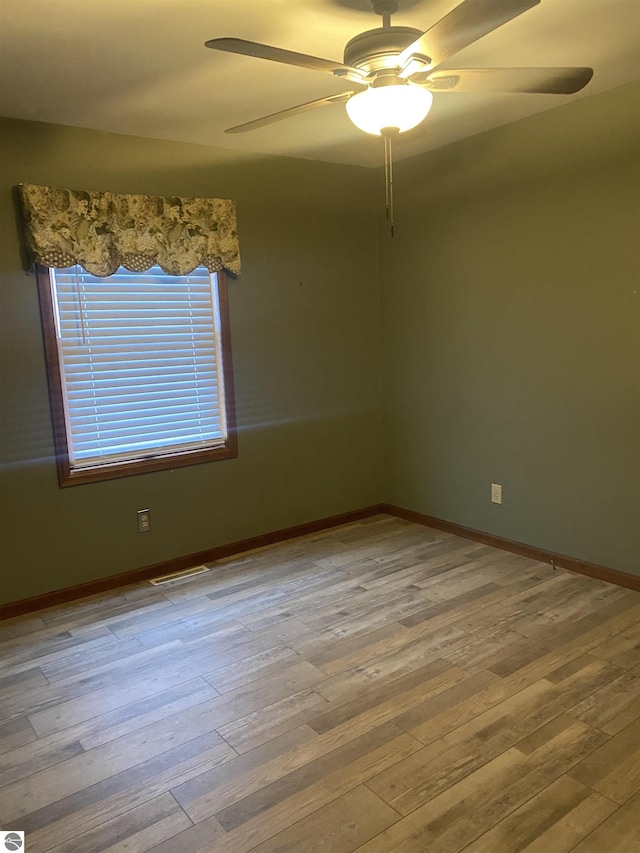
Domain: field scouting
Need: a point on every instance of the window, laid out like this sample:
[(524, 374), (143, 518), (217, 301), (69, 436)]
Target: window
[(139, 367)]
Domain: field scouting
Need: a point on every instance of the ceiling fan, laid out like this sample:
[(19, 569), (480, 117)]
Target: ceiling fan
[(393, 71)]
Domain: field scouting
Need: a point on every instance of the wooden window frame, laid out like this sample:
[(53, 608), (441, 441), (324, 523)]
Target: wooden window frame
[(69, 476)]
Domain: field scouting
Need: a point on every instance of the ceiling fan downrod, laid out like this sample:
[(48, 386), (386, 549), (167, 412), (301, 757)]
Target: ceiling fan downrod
[(385, 8)]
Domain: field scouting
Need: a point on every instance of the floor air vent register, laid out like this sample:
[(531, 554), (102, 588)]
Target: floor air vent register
[(179, 576)]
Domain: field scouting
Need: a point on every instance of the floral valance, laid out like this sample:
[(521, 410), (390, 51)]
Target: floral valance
[(103, 231)]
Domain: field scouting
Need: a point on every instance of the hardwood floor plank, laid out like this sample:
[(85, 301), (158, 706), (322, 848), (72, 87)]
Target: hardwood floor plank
[(137, 715), (46, 751), (462, 812), (330, 640), (522, 574), (620, 832), (304, 604), (23, 680), (464, 579), (196, 657), (393, 699), (91, 806), (285, 631), (453, 611), (217, 789), (57, 709), (368, 647), (253, 770), (378, 605), (204, 624), (138, 829), (589, 629), (46, 786), (50, 695), (378, 687), (324, 654), (166, 615), (246, 732), (394, 571), (20, 656), (279, 597), (254, 667), (623, 649), (37, 755), (479, 652), (459, 753), (613, 707), (200, 838), (387, 667), (353, 763), (516, 605), (435, 716), (571, 828), (453, 812), (15, 733), (525, 669), (88, 659), (466, 702), (100, 610), (553, 821), (221, 710), (327, 607), (614, 769), (583, 601), (252, 578), (339, 827), (291, 813), (20, 627)]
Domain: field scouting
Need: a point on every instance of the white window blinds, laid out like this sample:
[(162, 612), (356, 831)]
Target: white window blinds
[(141, 362)]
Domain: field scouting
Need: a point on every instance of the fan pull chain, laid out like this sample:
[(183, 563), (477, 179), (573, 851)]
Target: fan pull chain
[(387, 135)]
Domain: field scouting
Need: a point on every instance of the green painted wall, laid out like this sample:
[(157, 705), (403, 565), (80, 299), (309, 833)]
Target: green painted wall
[(305, 350), (508, 326), (511, 331)]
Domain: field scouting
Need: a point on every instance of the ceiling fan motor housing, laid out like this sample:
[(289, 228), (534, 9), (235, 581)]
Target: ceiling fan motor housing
[(397, 67), (375, 50)]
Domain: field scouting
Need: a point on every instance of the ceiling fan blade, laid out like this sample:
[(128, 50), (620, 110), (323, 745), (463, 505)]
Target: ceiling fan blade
[(291, 111), (550, 81), (288, 57), (468, 22)]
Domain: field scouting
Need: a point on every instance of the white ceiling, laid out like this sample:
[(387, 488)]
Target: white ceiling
[(139, 67)]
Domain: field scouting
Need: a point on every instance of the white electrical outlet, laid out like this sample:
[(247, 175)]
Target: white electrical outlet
[(496, 493), (144, 520)]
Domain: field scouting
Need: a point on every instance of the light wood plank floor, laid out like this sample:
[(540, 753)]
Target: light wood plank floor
[(379, 688)]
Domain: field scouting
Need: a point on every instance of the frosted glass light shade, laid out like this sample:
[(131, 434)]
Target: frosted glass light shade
[(403, 107)]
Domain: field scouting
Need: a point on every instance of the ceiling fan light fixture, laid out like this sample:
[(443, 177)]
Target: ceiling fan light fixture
[(402, 107)]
